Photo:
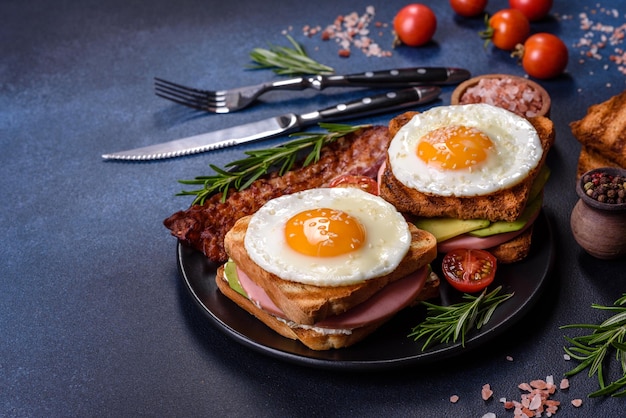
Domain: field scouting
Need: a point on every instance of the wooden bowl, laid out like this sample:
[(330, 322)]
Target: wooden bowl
[(501, 100), (599, 228)]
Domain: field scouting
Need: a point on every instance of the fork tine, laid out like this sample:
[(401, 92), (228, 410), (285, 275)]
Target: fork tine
[(180, 87), (196, 98), (187, 103), (183, 91), (192, 97)]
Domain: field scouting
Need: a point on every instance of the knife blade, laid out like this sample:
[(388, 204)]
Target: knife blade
[(279, 125)]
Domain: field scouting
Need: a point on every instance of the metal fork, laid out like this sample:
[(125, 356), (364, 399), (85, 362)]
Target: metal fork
[(224, 101)]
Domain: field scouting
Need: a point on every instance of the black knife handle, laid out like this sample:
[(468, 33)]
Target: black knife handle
[(373, 104), (396, 77), (400, 77)]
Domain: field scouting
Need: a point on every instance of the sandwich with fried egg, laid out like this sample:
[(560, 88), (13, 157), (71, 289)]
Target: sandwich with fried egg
[(473, 175), (327, 266)]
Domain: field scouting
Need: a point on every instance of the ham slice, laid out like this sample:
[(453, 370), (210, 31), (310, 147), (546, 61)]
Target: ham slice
[(257, 295), (384, 304)]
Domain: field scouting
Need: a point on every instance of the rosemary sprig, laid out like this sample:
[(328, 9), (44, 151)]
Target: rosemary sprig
[(287, 61), (242, 173), (592, 350), (449, 323)]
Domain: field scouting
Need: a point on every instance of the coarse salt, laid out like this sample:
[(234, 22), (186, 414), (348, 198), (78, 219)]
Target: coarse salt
[(486, 392), (351, 30), (599, 37), (514, 95), (536, 401)]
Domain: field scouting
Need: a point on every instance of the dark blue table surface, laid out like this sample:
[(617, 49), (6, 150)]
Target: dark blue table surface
[(94, 318)]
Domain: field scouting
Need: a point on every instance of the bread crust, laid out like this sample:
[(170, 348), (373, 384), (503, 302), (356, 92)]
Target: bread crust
[(311, 337), (602, 132), (589, 159), (307, 304), (505, 205), (513, 250)]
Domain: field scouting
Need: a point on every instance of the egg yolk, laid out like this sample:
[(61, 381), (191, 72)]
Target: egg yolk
[(454, 147), (324, 233)]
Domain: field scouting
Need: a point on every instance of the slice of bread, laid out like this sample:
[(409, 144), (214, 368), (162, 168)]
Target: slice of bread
[(590, 159), (602, 131), (312, 337), (513, 250), (506, 205), (307, 304)]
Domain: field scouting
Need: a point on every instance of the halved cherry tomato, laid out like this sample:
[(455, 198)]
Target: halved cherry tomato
[(365, 183), (544, 55), (532, 9), (507, 28), (415, 24), (469, 271), (468, 8)]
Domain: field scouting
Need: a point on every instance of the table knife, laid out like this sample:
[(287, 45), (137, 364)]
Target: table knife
[(400, 77), (280, 125)]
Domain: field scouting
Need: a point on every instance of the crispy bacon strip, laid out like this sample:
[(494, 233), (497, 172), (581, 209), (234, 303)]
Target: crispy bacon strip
[(204, 226)]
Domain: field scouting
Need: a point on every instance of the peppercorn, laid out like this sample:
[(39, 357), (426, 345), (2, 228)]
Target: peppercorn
[(605, 188)]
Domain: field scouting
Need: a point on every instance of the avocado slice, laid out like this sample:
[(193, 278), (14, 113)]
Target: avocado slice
[(230, 272), (446, 228), (539, 183), (500, 227)]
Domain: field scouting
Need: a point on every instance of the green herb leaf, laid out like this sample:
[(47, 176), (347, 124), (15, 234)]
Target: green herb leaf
[(242, 173), (444, 324), (287, 61), (594, 350)]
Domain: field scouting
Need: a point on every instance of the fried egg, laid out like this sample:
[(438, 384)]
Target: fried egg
[(464, 150), (328, 237)]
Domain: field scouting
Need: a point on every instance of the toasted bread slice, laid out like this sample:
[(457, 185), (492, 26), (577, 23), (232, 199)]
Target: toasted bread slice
[(308, 304), (590, 159), (312, 337), (602, 131), (506, 205), (513, 250)]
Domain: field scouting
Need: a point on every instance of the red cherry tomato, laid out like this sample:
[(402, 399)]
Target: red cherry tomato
[(469, 271), (507, 28), (468, 8), (415, 24), (532, 9), (365, 183), (544, 56)]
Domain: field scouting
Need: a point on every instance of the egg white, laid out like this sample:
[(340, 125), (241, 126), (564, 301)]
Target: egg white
[(517, 150), (387, 238)]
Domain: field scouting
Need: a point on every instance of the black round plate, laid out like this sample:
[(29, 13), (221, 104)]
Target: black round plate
[(389, 346)]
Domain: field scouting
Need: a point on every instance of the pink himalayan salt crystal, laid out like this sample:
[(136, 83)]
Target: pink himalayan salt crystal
[(511, 94)]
